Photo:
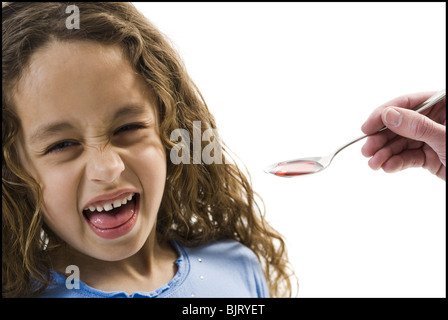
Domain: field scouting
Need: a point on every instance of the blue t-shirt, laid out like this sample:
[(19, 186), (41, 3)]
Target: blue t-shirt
[(219, 269)]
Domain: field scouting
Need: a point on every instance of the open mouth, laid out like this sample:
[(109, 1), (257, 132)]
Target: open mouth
[(115, 218)]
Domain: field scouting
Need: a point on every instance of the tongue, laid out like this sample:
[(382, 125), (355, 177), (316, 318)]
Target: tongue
[(113, 218)]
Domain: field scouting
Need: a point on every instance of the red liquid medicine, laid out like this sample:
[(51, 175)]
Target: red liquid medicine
[(296, 168)]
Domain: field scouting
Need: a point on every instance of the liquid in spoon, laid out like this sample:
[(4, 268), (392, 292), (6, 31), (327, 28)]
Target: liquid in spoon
[(296, 168)]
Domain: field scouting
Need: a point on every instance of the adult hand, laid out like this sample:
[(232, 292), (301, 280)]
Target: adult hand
[(413, 139)]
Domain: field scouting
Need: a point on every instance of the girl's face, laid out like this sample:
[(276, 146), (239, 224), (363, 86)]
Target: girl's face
[(90, 138)]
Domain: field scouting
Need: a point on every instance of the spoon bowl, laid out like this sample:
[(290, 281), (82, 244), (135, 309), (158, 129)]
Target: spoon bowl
[(293, 168)]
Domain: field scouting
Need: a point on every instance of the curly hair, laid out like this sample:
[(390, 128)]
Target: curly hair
[(201, 202)]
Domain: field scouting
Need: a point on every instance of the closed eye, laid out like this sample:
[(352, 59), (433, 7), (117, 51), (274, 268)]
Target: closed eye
[(130, 127), (66, 144), (60, 146)]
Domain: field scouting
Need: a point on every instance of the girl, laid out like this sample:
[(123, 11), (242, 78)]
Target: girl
[(87, 178)]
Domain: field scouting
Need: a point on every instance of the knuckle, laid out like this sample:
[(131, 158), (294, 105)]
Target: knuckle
[(422, 128)]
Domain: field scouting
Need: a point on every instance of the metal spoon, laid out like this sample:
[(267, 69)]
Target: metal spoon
[(297, 167)]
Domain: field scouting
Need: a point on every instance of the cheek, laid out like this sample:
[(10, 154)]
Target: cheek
[(150, 166), (60, 206), (149, 157), (59, 195)]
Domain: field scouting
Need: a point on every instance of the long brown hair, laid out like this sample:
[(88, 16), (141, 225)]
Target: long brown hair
[(201, 203)]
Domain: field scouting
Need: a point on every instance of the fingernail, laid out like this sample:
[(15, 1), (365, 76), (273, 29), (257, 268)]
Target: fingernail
[(392, 117)]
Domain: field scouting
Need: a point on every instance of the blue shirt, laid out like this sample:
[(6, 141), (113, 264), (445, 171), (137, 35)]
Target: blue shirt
[(219, 269)]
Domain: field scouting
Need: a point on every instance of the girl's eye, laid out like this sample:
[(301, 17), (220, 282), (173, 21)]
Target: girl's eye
[(129, 127), (60, 146), (63, 145)]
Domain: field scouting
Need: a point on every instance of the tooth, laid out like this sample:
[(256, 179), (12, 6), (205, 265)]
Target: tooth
[(130, 196), (92, 208), (117, 203), (124, 201), (99, 208), (108, 207)]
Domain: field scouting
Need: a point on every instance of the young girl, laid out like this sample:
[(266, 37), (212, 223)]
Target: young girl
[(88, 184)]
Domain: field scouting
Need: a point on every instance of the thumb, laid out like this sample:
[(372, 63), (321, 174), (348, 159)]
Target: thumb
[(415, 126)]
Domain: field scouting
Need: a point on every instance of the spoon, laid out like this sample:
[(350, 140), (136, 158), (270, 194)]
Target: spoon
[(302, 166)]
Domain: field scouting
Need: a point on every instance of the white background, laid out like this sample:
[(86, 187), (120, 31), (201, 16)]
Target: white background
[(290, 80)]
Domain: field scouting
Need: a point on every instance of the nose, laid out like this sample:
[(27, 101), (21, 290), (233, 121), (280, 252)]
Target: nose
[(104, 166)]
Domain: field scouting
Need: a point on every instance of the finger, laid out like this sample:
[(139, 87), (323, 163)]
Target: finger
[(413, 125), (407, 159), (442, 173), (409, 101), (373, 144), (432, 161), (394, 147), (386, 152), (415, 158), (376, 142)]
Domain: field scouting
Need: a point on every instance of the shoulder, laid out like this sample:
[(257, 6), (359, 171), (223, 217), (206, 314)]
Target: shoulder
[(226, 253), (227, 249), (232, 267)]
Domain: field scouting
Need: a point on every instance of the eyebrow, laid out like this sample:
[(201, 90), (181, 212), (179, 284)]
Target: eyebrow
[(49, 129), (131, 110)]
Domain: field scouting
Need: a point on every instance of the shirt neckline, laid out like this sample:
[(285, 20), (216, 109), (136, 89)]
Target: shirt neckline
[(183, 269)]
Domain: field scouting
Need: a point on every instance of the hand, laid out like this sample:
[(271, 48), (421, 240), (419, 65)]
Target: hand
[(414, 140)]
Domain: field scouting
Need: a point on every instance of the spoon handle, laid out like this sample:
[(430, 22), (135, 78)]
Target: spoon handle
[(431, 101), (419, 108)]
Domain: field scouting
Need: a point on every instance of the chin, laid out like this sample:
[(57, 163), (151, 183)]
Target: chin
[(123, 247)]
